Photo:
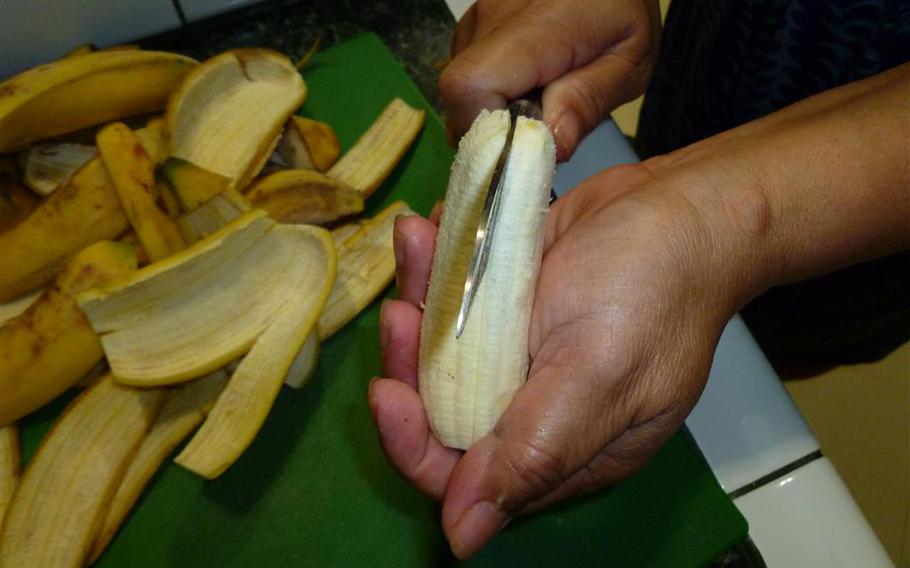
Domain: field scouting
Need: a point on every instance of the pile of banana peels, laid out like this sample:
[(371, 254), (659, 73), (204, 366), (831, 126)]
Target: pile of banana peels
[(176, 242)]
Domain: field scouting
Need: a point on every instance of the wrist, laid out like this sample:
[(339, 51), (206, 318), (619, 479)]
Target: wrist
[(726, 220)]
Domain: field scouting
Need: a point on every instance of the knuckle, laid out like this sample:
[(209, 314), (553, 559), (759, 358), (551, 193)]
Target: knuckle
[(586, 99), (455, 82), (531, 472)]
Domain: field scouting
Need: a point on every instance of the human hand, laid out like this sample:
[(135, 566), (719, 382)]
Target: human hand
[(628, 310), (643, 265), (589, 56)]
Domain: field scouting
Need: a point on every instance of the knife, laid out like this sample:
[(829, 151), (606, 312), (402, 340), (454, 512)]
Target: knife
[(489, 216)]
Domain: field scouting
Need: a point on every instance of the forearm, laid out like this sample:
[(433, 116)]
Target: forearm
[(820, 185)]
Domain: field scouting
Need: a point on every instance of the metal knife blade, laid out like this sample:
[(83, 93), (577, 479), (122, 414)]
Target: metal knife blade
[(489, 216)]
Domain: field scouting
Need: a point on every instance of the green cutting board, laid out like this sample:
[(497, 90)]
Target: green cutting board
[(314, 488)]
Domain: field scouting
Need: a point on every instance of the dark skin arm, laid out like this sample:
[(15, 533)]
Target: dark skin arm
[(643, 266)]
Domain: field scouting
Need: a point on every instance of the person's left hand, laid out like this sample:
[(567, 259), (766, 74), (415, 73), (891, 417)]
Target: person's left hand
[(630, 303)]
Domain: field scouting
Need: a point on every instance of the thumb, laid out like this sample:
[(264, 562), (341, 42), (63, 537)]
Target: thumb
[(553, 428)]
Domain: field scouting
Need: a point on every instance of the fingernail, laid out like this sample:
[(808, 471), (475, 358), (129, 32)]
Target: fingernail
[(398, 240), (565, 133), (475, 528), (385, 333)]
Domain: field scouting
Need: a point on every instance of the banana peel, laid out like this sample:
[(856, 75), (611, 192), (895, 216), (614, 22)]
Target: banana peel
[(366, 266), (342, 232), (308, 144), (213, 215), (70, 94), (12, 309), (228, 113), (61, 500), (46, 349), (305, 196), (82, 212), (45, 167), (304, 364), (246, 401), (16, 201), (10, 466), (194, 312), (192, 185), (132, 174), (185, 409), (373, 157)]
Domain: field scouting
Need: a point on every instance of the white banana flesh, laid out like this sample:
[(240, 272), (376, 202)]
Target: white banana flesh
[(467, 383)]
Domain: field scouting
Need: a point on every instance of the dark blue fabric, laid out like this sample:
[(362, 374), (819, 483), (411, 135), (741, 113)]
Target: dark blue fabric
[(724, 63)]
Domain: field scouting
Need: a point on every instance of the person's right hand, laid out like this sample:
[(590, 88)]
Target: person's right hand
[(589, 56)]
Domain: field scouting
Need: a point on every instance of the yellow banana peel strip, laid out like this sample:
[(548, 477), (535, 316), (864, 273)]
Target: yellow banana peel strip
[(193, 312), (342, 232), (378, 151), (212, 215), (366, 266), (63, 496), (308, 144), (70, 94), (185, 409), (48, 166), (10, 466), (132, 173), (12, 309), (246, 401), (16, 200), (50, 346), (192, 185), (305, 196), (84, 211), (304, 364), (227, 114)]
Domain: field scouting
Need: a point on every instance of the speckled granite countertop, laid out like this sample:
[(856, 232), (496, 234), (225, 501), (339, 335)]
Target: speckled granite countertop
[(417, 31)]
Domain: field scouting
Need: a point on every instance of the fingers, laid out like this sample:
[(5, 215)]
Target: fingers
[(406, 439), (399, 337), (552, 429), (414, 240), (575, 103), (590, 56)]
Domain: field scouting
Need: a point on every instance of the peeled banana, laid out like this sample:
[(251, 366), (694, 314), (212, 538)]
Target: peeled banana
[(467, 383), (77, 92)]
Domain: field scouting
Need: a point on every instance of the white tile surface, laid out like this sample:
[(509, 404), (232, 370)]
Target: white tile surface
[(459, 7), (195, 10), (808, 519), (745, 423), (36, 31)]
